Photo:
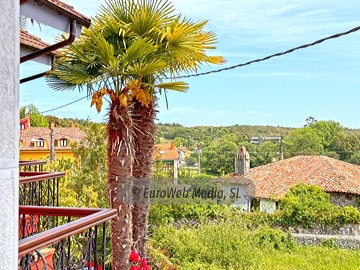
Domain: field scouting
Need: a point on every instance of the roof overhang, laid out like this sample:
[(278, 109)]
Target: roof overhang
[(30, 43), (53, 13)]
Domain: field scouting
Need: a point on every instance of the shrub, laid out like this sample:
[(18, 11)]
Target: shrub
[(267, 237), (330, 243), (305, 205)]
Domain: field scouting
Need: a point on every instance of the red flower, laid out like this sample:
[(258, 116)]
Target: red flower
[(135, 267), (144, 264), (134, 257)]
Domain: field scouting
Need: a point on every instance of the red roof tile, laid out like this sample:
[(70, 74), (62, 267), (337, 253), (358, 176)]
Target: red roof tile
[(73, 134), (167, 151), (275, 179), (31, 41)]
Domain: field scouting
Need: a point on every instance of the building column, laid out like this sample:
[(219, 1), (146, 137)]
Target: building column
[(9, 132)]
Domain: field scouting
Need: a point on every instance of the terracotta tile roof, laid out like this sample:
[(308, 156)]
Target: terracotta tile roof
[(63, 9), (32, 42), (275, 179), (165, 146), (73, 134), (167, 151)]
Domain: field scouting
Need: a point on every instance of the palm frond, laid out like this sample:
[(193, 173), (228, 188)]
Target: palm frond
[(179, 86)]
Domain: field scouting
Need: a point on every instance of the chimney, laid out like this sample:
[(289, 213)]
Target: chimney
[(242, 161), (52, 125)]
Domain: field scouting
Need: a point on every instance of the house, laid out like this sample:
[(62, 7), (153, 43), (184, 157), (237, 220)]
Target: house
[(259, 140), (62, 17), (172, 157), (264, 186), (40, 142), (25, 123)]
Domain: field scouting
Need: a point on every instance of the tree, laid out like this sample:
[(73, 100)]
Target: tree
[(265, 153), (85, 184), (219, 156), (355, 158), (303, 141), (126, 54), (36, 119), (329, 131)]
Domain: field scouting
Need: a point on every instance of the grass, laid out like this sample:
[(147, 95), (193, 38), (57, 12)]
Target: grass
[(230, 246)]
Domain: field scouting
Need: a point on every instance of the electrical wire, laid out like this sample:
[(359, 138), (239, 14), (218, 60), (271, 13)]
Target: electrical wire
[(246, 63), (62, 106), (276, 54)]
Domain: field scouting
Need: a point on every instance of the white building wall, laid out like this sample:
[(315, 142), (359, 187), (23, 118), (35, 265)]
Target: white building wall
[(267, 206), (9, 133), (236, 193)]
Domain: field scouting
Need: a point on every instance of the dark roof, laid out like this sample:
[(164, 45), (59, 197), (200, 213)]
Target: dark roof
[(274, 180)]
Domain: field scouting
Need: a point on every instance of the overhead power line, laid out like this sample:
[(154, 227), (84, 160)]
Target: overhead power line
[(246, 63), (276, 54), (62, 106)]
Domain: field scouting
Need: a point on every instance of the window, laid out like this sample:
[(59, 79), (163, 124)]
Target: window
[(22, 126), (39, 143), (63, 142)]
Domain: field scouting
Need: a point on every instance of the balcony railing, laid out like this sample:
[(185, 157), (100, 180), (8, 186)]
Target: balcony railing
[(39, 188), (78, 240), (52, 237), (32, 165)]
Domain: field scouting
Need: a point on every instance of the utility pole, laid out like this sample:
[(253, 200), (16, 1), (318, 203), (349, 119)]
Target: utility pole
[(198, 151), (281, 149), (52, 144)]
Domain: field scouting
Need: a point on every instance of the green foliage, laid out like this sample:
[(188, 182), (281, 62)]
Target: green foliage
[(219, 156), (36, 119), (163, 214), (229, 245), (85, 182), (330, 243), (347, 214), (304, 141), (212, 246), (305, 204), (265, 153), (265, 236), (329, 131), (355, 158)]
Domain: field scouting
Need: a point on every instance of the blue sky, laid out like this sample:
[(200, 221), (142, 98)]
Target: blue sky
[(322, 81)]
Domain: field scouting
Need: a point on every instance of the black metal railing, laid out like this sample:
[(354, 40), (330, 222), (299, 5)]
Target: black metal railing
[(78, 241), (39, 188)]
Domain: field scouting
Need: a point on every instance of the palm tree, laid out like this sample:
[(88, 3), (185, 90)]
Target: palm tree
[(132, 52)]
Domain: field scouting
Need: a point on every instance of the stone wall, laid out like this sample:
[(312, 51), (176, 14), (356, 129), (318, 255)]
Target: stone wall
[(343, 199), (341, 241), (346, 236), (346, 230)]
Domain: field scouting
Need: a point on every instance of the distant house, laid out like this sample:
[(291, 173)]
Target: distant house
[(264, 186), (172, 157), (259, 140), (25, 123), (42, 142)]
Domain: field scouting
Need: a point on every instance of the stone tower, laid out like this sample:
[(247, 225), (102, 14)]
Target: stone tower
[(242, 161)]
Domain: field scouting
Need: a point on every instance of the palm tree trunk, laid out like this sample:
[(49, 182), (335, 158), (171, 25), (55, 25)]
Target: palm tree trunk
[(120, 156), (144, 133)]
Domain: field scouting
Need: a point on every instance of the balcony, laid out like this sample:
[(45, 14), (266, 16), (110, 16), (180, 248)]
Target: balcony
[(39, 188), (53, 237)]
